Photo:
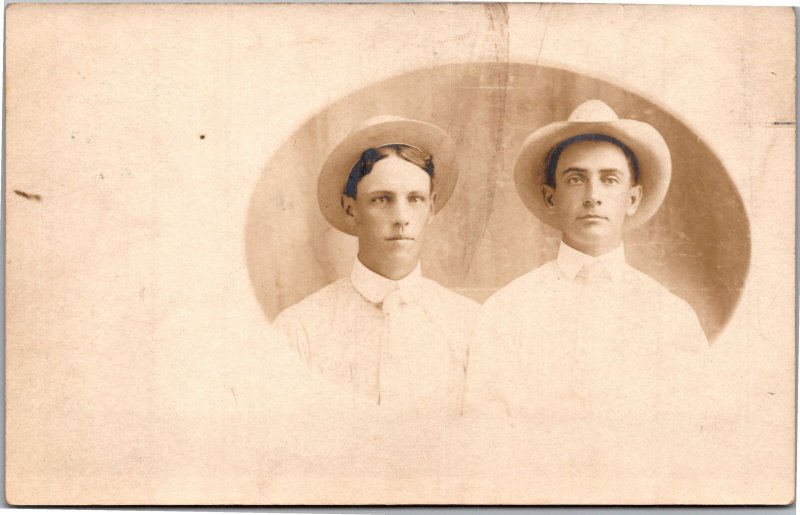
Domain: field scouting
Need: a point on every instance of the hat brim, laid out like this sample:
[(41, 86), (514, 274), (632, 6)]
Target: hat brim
[(424, 136), (649, 147)]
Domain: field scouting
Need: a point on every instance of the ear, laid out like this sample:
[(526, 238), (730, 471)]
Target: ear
[(350, 212), (433, 207), (635, 199), (548, 193)]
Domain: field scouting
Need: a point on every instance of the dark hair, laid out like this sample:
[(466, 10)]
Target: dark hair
[(371, 156), (555, 153)]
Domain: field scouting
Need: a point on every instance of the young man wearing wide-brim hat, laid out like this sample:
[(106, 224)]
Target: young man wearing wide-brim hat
[(586, 329), (386, 332)]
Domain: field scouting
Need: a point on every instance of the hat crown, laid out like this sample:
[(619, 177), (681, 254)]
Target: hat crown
[(593, 111)]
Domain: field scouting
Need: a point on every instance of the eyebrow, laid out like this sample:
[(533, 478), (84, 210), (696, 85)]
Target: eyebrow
[(583, 170), (380, 192), (388, 192)]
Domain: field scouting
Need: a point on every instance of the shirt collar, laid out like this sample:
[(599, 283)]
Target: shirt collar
[(374, 287), (571, 260)]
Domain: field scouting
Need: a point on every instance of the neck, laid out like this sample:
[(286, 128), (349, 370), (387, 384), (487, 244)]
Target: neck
[(593, 249), (389, 268)]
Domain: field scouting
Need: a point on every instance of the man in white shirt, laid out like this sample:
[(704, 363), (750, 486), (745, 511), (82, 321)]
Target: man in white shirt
[(586, 336), (386, 332)]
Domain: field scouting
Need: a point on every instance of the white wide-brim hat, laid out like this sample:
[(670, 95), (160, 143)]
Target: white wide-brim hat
[(595, 117), (375, 132)]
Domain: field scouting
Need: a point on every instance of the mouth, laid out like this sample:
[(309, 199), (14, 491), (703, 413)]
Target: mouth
[(592, 217), (400, 238)]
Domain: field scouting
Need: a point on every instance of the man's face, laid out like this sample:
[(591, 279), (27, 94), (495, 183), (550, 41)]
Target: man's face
[(594, 194), (394, 206)]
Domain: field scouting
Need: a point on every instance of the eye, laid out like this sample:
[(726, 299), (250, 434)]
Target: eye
[(417, 198), (612, 180), (574, 180), (380, 199)]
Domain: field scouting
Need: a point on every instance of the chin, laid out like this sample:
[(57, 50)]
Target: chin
[(587, 240), (391, 248), (407, 254), (590, 235)]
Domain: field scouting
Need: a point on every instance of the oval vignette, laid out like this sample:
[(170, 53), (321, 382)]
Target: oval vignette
[(697, 244)]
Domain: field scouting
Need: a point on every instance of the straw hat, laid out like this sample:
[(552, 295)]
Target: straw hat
[(376, 132), (595, 117)]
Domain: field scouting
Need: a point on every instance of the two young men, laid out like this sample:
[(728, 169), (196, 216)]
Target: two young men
[(581, 327)]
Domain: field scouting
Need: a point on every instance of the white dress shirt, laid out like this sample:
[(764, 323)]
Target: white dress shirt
[(560, 338), (400, 343)]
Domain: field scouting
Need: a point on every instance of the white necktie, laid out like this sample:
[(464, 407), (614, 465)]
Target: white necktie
[(592, 327), (393, 302), (593, 273), (410, 365)]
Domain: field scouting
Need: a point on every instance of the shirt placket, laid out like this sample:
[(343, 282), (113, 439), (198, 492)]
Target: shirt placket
[(389, 368), (591, 332)]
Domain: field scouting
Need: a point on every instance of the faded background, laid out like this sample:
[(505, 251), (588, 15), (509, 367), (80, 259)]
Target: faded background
[(165, 159)]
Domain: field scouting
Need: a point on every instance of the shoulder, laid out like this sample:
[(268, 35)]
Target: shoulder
[(672, 310), (541, 279), (649, 288), (321, 300), (450, 299)]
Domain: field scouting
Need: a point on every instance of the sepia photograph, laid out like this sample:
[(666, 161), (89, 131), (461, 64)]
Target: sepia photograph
[(400, 254)]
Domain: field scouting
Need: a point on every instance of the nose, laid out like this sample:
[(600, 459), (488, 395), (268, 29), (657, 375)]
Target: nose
[(591, 197), (402, 212)]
